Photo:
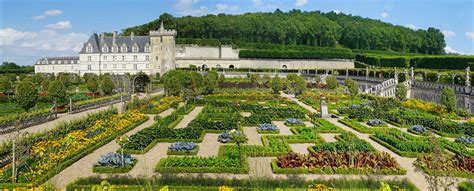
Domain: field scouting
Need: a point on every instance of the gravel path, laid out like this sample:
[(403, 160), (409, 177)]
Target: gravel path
[(146, 163), (308, 124), (329, 137), (253, 136), (189, 117), (301, 148), (284, 130), (245, 114), (209, 146)]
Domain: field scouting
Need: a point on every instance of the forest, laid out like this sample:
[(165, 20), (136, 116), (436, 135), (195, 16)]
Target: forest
[(297, 27)]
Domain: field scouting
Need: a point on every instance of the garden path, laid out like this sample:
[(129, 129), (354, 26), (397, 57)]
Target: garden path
[(284, 130), (329, 137), (415, 177), (301, 148), (209, 146), (189, 117), (145, 166), (62, 118), (253, 136)]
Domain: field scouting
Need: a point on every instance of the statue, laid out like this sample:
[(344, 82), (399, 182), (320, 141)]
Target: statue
[(324, 108), (468, 77)]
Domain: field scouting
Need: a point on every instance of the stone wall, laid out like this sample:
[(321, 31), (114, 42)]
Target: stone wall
[(432, 92), (265, 63), (207, 52)]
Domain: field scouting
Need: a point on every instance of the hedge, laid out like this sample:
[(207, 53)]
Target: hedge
[(427, 62), (292, 54)]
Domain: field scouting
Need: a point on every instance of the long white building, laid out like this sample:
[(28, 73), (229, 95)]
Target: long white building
[(158, 53)]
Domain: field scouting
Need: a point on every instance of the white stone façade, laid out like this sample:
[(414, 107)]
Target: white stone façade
[(158, 53)]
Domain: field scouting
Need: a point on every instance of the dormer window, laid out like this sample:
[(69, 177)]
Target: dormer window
[(89, 48), (114, 49), (105, 49), (147, 48), (135, 48), (123, 49)]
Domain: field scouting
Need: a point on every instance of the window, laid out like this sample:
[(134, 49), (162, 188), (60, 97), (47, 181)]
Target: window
[(123, 58), (59, 62), (115, 66), (105, 49), (89, 58), (147, 48), (135, 66), (89, 67), (123, 49), (156, 58), (89, 49), (105, 58), (54, 62), (115, 49), (167, 50), (135, 58), (147, 58), (105, 65), (135, 49), (123, 65), (147, 65)]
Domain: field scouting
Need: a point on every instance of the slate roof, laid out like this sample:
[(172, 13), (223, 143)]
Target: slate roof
[(97, 43), (58, 60)]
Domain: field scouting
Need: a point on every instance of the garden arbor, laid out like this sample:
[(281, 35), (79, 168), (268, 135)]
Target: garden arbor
[(141, 83)]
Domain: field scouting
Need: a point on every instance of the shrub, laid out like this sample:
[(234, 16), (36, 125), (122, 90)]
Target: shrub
[(115, 160), (182, 146), (448, 99), (294, 121), (267, 127), (465, 140), (417, 129), (377, 123), (331, 82)]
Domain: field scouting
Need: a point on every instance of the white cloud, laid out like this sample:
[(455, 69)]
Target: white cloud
[(300, 3), (337, 11), (449, 49), (52, 12), (222, 8), (470, 35), (25, 47), (384, 14), (59, 25), (186, 7), (448, 34), (257, 3), (412, 26)]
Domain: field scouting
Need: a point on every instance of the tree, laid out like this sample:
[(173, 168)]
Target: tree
[(331, 82), (5, 84), (401, 91), (352, 86), (277, 85), (238, 139), (448, 99), (210, 82), (267, 80), (93, 86), (300, 85), (221, 78), (255, 78), (26, 94), (106, 85), (57, 91)]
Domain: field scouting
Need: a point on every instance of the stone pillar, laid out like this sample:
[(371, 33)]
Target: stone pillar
[(324, 108), (412, 74), (347, 72), (366, 77), (438, 76), (70, 105)]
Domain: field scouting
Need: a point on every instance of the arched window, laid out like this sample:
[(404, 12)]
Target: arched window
[(231, 66), (204, 66), (218, 66), (284, 67)]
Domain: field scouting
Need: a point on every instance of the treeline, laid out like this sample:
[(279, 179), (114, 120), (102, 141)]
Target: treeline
[(428, 62), (302, 28), (13, 68)]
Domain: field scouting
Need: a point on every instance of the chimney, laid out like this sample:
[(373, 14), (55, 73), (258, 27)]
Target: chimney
[(162, 27), (114, 37), (131, 36)]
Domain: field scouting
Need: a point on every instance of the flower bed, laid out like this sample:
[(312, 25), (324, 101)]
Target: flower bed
[(58, 152), (291, 122), (111, 163), (346, 142), (458, 165), (337, 163), (418, 129), (402, 143), (183, 148), (268, 128), (155, 106), (377, 123)]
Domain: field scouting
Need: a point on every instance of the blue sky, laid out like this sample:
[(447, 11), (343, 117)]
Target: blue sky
[(31, 29)]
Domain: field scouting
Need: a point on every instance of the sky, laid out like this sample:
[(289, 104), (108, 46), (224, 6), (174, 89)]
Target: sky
[(32, 29)]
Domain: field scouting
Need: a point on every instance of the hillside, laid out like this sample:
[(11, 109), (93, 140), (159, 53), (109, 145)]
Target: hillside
[(302, 28)]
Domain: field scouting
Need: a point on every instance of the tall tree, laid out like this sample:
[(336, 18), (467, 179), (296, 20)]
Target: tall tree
[(57, 91), (352, 86), (448, 99), (26, 94), (401, 91), (107, 85), (277, 85), (210, 82)]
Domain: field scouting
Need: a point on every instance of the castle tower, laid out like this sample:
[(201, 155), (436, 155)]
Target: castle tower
[(162, 54)]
